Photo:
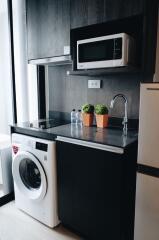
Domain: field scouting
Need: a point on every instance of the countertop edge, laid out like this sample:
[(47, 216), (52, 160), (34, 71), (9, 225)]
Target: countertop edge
[(38, 133)]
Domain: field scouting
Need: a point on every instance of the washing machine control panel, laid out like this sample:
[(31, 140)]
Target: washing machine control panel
[(41, 146)]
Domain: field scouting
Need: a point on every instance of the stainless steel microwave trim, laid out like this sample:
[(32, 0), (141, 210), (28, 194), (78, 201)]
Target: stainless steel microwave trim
[(91, 145), (127, 52), (52, 61)]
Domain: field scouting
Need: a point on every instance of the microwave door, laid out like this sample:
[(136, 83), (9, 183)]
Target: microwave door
[(96, 51), (99, 54)]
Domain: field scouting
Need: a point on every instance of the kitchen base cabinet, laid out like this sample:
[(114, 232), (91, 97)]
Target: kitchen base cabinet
[(96, 191)]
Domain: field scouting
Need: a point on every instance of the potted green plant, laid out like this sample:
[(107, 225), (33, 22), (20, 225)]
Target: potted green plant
[(87, 114), (101, 112)]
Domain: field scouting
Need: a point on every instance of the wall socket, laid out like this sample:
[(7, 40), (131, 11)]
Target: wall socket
[(94, 83)]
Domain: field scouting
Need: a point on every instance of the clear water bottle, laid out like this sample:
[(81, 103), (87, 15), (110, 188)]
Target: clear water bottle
[(78, 117), (73, 116)]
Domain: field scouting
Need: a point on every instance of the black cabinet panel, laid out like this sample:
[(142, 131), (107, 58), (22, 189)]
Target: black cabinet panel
[(87, 12), (49, 21), (48, 26), (93, 195), (115, 9), (79, 13)]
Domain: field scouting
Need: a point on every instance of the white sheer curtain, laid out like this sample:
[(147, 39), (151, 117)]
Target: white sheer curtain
[(25, 75), (6, 110)]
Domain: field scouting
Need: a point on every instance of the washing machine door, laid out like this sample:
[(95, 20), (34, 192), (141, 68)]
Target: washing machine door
[(29, 176)]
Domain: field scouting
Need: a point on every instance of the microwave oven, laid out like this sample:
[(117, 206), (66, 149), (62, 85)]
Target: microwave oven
[(115, 50)]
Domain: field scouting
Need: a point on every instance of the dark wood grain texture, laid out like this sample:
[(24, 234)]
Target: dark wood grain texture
[(68, 92), (87, 12), (48, 24), (149, 39), (143, 27), (133, 26), (79, 13), (97, 191), (49, 21)]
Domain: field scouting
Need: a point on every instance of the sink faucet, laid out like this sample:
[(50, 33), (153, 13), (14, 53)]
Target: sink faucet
[(125, 119)]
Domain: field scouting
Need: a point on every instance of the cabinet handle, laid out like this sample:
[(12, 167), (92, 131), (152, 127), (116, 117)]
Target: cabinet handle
[(148, 170), (52, 61), (153, 89), (91, 145)]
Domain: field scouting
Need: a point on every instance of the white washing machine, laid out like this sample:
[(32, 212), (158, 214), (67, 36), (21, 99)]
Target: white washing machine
[(34, 174)]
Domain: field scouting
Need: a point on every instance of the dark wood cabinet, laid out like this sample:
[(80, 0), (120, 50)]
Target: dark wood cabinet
[(48, 27), (96, 191), (87, 12), (49, 21), (135, 17)]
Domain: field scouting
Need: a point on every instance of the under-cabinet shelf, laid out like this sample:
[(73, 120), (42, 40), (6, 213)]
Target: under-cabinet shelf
[(105, 71)]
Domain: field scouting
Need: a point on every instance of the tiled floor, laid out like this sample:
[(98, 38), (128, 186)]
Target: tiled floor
[(16, 225)]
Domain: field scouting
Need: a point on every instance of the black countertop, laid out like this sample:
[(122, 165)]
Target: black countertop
[(106, 136)]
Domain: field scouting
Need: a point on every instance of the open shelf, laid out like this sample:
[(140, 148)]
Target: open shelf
[(131, 25), (105, 71)]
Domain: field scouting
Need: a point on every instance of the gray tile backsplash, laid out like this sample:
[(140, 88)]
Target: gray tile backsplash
[(68, 92)]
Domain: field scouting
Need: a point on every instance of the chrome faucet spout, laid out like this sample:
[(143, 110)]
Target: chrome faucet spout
[(125, 118)]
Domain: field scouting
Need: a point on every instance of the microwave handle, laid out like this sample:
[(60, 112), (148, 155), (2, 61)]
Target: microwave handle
[(128, 48)]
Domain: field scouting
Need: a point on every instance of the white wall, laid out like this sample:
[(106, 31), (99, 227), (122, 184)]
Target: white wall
[(6, 113), (32, 92), (25, 76)]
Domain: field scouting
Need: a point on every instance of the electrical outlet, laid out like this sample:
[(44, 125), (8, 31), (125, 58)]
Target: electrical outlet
[(94, 83), (66, 50)]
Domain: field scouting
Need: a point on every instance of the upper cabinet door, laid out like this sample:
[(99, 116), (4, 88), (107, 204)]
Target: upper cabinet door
[(49, 21), (87, 12), (48, 27)]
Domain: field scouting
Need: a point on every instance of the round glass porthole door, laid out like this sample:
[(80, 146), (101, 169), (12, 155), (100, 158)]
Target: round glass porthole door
[(29, 176)]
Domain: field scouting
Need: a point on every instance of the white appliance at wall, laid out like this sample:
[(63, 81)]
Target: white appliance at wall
[(34, 174), (147, 192), (116, 50), (6, 106), (6, 180)]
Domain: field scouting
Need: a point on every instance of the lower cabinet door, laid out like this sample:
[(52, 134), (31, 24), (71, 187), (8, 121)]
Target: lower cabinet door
[(147, 208), (90, 190)]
